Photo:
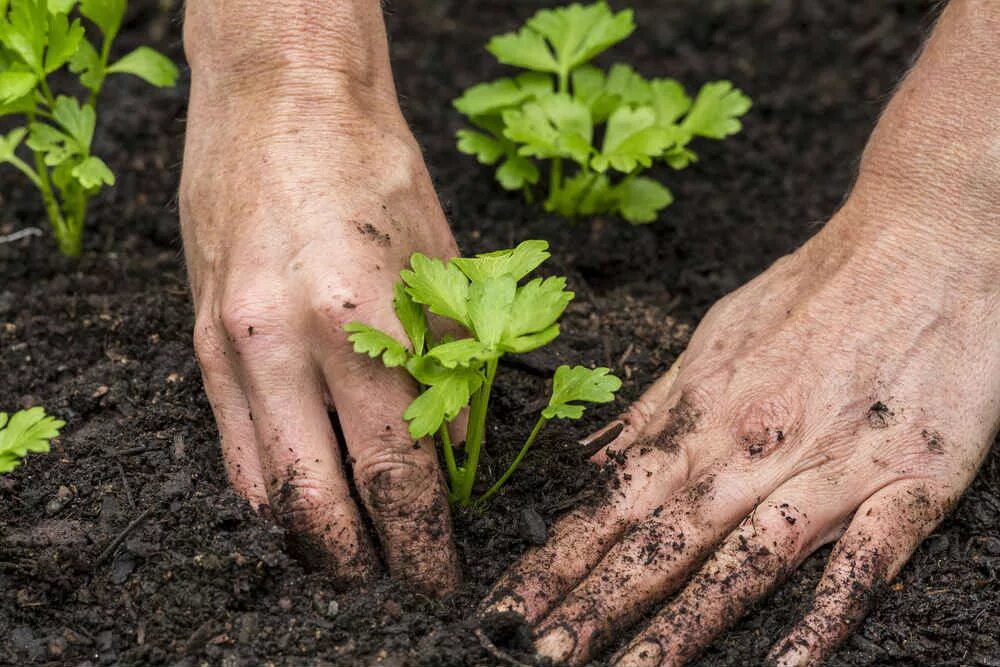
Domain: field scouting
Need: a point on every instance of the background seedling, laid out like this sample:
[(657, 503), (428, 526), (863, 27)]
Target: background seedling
[(25, 431)]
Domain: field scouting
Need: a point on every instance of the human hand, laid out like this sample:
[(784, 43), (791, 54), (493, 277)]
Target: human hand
[(303, 195)]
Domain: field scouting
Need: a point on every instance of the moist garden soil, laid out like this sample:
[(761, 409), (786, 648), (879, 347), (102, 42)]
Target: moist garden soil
[(124, 546)]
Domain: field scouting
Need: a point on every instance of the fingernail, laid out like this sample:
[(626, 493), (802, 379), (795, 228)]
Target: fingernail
[(506, 604), (644, 654), (556, 645), (595, 441)]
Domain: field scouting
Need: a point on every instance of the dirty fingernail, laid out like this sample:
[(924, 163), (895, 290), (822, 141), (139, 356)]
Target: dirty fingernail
[(506, 604), (556, 645), (595, 441), (790, 656), (644, 654)]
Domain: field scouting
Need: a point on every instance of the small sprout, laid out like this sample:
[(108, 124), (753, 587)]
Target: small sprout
[(612, 125), (38, 38), (486, 296), (25, 431)]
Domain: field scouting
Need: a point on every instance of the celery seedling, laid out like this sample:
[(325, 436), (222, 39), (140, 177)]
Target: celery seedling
[(483, 294), (25, 431), (37, 39), (612, 125)]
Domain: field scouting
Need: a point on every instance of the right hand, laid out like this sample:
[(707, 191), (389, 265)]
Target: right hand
[(302, 197)]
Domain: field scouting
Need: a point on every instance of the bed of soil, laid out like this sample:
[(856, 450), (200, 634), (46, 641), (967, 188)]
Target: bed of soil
[(104, 343)]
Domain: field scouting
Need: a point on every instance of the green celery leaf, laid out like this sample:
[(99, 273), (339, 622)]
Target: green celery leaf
[(16, 85), (439, 286), (376, 344), (78, 121), (106, 15), (632, 138), (486, 149), (149, 65), (495, 96), (56, 145), (524, 48), (716, 111), (87, 64), (10, 142), (669, 100), (60, 6), (640, 199), (589, 385), (577, 33), (442, 401), (25, 431), (64, 40), (26, 32), (515, 262), (584, 193), (516, 172), (489, 307), (679, 156), (412, 316), (92, 173), (553, 126), (531, 341), (464, 352), (537, 305)]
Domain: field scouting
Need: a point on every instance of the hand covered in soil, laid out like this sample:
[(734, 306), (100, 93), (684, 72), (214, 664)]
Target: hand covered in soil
[(303, 195), (846, 395)]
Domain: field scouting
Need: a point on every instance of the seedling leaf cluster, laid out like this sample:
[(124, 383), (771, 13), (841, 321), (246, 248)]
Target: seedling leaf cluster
[(502, 313), (39, 38), (609, 125), (23, 432)]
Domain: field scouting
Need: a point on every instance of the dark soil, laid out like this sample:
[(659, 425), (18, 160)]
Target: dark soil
[(199, 579)]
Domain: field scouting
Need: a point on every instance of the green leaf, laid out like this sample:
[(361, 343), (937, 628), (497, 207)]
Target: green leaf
[(679, 156), (92, 173), (579, 384), (26, 431), (87, 64), (411, 315), (16, 85), (106, 15), (56, 145), (537, 305), (640, 199), (669, 100), (441, 401), (553, 126), (10, 142), (443, 288), (149, 65), (60, 6), (486, 149), (64, 40), (531, 341), (495, 96), (584, 193), (516, 172), (464, 352), (376, 344), (632, 138), (489, 307), (26, 31), (516, 262), (716, 111), (557, 40), (603, 94), (78, 121)]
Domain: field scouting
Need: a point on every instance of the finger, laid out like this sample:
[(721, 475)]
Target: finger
[(307, 490), (627, 428), (773, 540), (644, 478), (237, 438), (398, 480), (652, 560), (880, 539)]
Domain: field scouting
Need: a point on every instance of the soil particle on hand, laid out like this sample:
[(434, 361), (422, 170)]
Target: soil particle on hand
[(372, 233), (879, 415)]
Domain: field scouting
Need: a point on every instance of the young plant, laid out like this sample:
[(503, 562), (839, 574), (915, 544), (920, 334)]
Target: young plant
[(39, 38), (611, 126), (485, 295), (26, 431)]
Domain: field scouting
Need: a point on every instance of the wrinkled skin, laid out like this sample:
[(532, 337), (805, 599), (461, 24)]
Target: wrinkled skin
[(848, 394), (298, 211)]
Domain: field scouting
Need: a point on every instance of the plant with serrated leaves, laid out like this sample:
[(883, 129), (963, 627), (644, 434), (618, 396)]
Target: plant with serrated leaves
[(485, 295), (39, 38), (25, 431), (612, 125)]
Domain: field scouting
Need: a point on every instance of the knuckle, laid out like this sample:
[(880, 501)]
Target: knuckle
[(396, 480), (778, 527), (252, 311), (302, 504), (209, 347), (764, 422)]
